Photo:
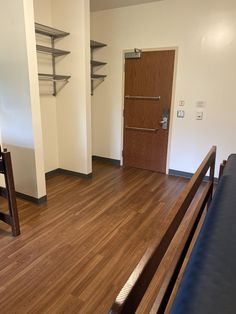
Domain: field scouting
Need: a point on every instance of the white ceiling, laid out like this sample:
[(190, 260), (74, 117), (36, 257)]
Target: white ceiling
[(98, 5)]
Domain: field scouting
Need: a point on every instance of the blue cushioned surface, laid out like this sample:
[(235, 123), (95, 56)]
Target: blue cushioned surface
[(209, 282), (230, 168)]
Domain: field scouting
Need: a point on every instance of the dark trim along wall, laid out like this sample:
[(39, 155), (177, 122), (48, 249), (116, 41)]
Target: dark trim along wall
[(32, 199), (110, 160), (183, 174), (69, 173)]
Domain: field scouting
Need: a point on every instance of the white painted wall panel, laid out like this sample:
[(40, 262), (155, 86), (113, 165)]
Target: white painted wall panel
[(205, 33), (20, 117)]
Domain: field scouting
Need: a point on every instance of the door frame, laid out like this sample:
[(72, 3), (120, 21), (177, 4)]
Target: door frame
[(176, 49)]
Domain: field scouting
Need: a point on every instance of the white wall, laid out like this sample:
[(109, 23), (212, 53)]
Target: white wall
[(67, 117), (204, 32), (74, 101), (20, 117), (48, 105)]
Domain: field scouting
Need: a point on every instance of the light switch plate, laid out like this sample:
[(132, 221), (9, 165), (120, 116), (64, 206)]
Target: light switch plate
[(180, 114), (182, 103)]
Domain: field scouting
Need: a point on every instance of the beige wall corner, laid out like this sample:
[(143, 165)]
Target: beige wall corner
[(48, 105), (74, 101), (205, 35), (34, 97), (19, 103)]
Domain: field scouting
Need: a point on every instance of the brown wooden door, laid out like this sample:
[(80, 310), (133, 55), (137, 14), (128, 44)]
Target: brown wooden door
[(148, 91)]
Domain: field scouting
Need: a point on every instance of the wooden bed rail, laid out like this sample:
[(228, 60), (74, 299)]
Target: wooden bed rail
[(9, 193), (222, 167), (129, 299)]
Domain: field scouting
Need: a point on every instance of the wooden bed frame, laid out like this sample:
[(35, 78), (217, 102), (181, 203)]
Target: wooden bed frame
[(9, 193), (150, 287), (222, 167)]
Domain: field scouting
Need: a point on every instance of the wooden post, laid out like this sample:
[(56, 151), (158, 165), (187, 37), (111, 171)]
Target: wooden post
[(222, 167), (9, 193), (212, 177)]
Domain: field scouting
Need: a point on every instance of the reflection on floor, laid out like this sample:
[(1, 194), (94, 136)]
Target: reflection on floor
[(76, 251)]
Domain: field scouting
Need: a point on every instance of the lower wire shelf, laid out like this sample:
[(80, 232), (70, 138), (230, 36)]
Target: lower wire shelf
[(54, 78), (98, 77), (58, 81)]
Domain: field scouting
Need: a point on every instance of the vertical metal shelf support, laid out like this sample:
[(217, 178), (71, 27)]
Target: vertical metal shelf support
[(54, 67), (92, 72)]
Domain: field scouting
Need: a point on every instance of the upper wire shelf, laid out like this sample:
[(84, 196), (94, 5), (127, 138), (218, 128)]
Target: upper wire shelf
[(95, 44), (49, 31)]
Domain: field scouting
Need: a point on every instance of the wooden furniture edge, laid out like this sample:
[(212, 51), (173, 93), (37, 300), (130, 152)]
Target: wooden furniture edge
[(134, 289), (12, 218), (222, 167)]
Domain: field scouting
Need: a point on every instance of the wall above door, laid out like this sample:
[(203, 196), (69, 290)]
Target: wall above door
[(99, 5)]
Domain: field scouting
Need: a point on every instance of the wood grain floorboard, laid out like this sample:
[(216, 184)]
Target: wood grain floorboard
[(75, 252)]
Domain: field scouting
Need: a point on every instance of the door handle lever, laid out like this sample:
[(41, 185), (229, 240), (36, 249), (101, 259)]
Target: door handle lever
[(164, 123), (165, 119)]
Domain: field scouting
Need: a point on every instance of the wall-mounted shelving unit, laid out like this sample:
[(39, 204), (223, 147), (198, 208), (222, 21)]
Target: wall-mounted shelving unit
[(96, 64), (54, 34)]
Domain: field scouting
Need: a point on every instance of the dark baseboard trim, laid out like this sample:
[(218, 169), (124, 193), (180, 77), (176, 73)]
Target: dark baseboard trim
[(32, 199), (52, 173), (110, 160), (68, 173), (188, 175), (177, 173), (75, 174)]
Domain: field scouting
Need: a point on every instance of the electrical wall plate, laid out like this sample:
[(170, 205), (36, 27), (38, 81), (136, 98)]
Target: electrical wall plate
[(199, 115), (180, 114)]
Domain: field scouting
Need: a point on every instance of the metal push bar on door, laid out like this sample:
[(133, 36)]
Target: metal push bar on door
[(140, 129), (143, 97)]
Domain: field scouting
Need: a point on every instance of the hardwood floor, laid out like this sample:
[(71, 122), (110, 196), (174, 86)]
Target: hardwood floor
[(76, 252)]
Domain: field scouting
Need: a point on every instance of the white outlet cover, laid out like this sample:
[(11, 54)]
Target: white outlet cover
[(199, 115)]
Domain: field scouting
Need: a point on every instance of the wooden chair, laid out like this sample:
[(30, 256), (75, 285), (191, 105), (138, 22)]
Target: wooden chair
[(9, 193)]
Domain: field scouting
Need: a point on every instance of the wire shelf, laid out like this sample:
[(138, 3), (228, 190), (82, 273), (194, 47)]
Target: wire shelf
[(97, 63), (49, 31), (53, 51), (98, 77), (53, 78), (95, 44)]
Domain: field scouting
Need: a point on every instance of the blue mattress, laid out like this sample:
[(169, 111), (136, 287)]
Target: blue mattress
[(208, 285)]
